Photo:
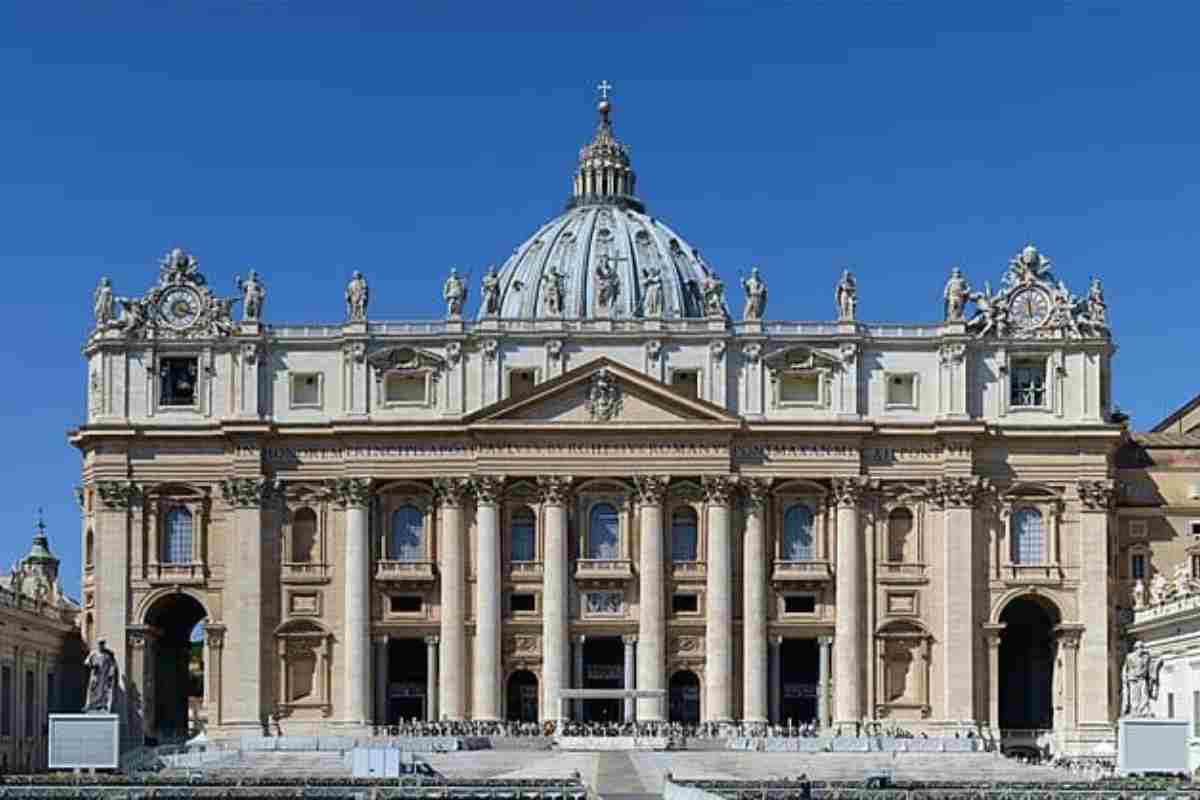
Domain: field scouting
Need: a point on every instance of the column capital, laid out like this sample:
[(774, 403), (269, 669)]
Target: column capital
[(992, 632), (1069, 635), (848, 492), (214, 636), (382, 638), (1096, 495), (432, 641), (757, 490), (451, 491), (825, 641), (487, 489), (137, 637), (629, 639), (718, 489), (775, 640), (957, 492), (650, 489), (553, 490), (118, 494), (579, 638), (249, 492)]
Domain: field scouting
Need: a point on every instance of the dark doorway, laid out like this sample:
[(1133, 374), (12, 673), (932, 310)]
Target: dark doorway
[(684, 693), (522, 696), (603, 668), (1027, 664), (799, 670), (407, 680), (173, 702)]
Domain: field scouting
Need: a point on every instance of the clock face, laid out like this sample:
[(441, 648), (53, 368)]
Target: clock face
[(1029, 308), (180, 307)]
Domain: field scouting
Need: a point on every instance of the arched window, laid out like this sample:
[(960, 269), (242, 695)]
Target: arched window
[(89, 542), (177, 539), (797, 534), (1028, 537), (900, 525), (683, 535), (523, 526), (407, 542), (604, 539), (304, 536)]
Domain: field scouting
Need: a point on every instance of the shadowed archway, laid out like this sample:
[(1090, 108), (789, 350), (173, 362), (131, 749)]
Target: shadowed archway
[(175, 662), (1027, 651)]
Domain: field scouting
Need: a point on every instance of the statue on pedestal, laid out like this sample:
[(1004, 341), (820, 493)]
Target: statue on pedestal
[(491, 292), (102, 303), (358, 294), (846, 296), (1139, 682), (253, 295), (552, 292), (454, 292), (756, 296), (713, 291), (102, 680), (956, 294), (608, 284), (652, 294)]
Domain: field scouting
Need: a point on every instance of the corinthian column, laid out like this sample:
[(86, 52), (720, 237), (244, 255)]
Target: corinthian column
[(754, 611), (718, 627), (451, 699), (487, 600), (849, 656), (651, 609), (354, 495), (1095, 516), (553, 490)]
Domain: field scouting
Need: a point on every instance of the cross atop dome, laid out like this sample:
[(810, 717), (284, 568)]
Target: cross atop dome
[(605, 175), (604, 86)]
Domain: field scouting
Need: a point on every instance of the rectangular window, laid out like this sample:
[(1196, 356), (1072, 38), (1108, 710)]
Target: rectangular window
[(685, 604), (306, 390), (523, 603), (29, 704), (1028, 383), (6, 701), (800, 388), (902, 391), (1137, 567), (177, 381), (799, 604), (521, 383), (406, 389), (405, 604), (687, 383)]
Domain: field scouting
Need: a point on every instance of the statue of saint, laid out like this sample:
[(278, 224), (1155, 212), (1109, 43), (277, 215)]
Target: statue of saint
[(491, 292), (956, 294), (756, 296), (1139, 595), (102, 680), (358, 294), (1097, 309), (608, 283), (552, 292), (652, 292), (713, 291), (102, 303), (134, 313), (454, 292), (846, 297), (1158, 589), (16, 577), (253, 295), (1139, 681)]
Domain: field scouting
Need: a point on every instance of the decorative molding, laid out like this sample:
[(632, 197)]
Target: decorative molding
[(654, 349), (119, 494), (553, 490), (1096, 495), (249, 492), (849, 492), (650, 490), (848, 352), (453, 352), (487, 488), (214, 636), (757, 490), (752, 351), (718, 489), (966, 492), (252, 352), (355, 352), (953, 353), (554, 349), (179, 306), (406, 359), (491, 347), (451, 491), (604, 396)]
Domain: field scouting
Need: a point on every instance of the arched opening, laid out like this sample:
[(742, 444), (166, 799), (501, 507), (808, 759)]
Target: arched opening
[(684, 539), (604, 538), (304, 536), (797, 534), (523, 696), (407, 542), (899, 531), (523, 542), (684, 695), (1027, 664), (173, 703), (89, 543)]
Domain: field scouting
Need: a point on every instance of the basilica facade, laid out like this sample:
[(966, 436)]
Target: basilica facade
[(600, 475)]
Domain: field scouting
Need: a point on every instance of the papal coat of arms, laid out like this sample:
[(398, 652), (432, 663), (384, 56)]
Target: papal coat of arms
[(604, 397)]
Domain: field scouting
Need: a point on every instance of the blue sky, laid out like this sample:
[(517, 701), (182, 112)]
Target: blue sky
[(307, 140)]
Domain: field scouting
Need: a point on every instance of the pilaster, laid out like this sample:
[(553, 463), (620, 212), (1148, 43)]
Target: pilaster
[(993, 636), (354, 496), (214, 646), (1095, 509), (111, 575)]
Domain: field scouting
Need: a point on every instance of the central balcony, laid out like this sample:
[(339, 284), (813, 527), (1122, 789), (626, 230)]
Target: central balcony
[(603, 570), (1021, 574), (405, 572), (802, 572), (526, 570), (189, 574)]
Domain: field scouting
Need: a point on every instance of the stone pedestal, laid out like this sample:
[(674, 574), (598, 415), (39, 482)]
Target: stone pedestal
[(1152, 745)]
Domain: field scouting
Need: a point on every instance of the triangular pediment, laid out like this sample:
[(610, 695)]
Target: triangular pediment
[(603, 393), (800, 357)]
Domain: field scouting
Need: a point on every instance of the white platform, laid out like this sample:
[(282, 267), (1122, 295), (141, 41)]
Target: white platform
[(84, 741), (1153, 745)]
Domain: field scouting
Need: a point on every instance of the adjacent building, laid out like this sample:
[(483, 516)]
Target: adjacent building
[(606, 478)]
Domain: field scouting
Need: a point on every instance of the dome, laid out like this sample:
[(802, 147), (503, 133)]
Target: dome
[(599, 258)]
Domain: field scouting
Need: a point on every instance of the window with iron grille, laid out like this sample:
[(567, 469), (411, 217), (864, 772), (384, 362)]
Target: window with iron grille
[(177, 381), (684, 539), (523, 536), (177, 539), (1029, 537)]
